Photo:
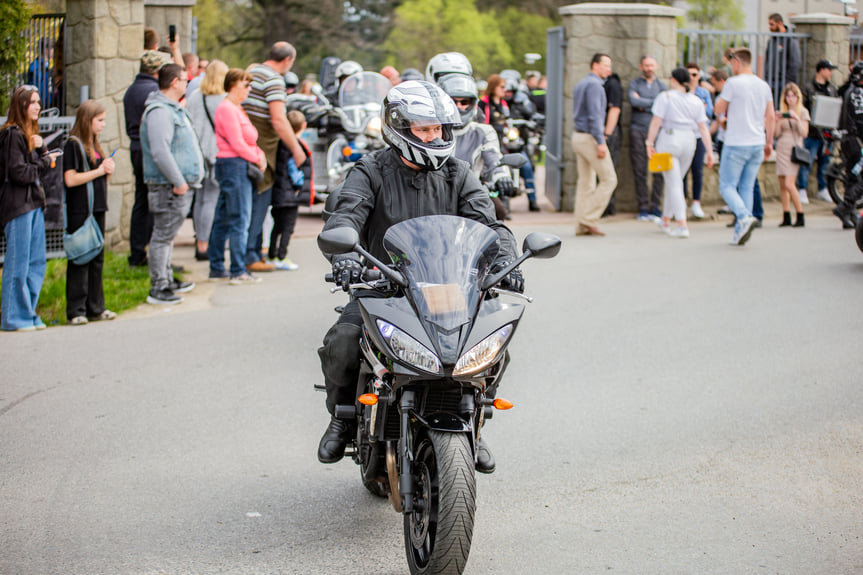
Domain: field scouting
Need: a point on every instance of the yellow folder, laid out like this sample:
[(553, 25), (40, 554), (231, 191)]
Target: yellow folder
[(660, 162)]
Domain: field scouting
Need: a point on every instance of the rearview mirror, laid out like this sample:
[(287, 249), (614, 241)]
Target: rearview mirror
[(513, 160), (540, 245), (338, 241)]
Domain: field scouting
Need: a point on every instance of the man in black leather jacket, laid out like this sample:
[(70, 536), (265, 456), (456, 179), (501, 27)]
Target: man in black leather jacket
[(852, 147), (416, 176)]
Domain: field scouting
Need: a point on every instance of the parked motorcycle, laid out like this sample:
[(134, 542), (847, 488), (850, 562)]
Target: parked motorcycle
[(434, 346)]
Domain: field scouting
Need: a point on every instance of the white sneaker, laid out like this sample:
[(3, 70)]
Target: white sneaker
[(244, 279), (824, 195), (697, 212), (285, 265), (804, 199), (743, 231), (663, 226), (679, 232)]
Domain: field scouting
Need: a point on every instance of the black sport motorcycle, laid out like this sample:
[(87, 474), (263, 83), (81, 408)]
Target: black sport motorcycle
[(434, 346)]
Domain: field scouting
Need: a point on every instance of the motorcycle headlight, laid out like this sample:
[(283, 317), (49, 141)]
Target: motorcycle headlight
[(408, 349), (484, 353), (512, 134), (374, 125)]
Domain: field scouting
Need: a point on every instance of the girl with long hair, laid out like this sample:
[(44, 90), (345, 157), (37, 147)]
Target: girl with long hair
[(791, 127), (85, 162), (22, 200)]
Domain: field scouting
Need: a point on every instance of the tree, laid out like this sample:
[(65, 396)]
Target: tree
[(716, 14), (14, 18), (446, 26), (525, 33)]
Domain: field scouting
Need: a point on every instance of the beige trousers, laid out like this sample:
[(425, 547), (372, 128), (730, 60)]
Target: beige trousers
[(591, 199)]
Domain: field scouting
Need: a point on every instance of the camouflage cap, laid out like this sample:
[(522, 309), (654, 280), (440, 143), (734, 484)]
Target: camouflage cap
[(152, 60)]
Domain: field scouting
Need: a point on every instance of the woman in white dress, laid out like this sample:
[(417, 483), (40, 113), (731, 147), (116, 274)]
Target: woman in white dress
[(677, 115)]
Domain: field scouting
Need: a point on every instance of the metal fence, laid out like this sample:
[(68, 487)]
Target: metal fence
[(54, 130), (856, 47), (707, 48), (44, 59)]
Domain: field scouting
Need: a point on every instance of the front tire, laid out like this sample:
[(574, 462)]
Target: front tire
[(858, 233), (438, 531)]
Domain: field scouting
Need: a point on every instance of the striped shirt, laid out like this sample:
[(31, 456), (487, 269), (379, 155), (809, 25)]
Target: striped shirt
[(267, 86)]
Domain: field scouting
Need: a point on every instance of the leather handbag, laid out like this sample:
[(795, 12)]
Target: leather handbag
[(799, 154), (86, 242)]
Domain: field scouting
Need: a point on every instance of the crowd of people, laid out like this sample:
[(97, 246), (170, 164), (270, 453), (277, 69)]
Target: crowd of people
[(221, 142), (728, 116)]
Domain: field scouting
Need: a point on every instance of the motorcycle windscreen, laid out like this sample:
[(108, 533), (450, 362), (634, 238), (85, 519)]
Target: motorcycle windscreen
[(444, 259), (363, 88)]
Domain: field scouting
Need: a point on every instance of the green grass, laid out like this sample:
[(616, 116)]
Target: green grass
[(124, 287)]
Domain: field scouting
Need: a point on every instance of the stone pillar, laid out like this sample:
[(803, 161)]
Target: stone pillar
[(625, 32), (160, 14), (104, 44), (828, 39)]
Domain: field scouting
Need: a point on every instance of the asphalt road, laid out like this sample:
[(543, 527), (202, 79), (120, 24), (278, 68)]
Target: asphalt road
[(682, 406)]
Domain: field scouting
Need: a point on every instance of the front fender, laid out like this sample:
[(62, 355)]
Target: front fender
[(441, 421)]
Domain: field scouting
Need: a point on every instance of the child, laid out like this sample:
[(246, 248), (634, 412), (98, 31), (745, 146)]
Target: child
[(84, 296), (293, 188)]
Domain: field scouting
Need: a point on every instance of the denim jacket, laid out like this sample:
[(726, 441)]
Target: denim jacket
[(173, 155)]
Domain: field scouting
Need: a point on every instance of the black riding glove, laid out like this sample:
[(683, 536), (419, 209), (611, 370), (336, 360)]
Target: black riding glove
[(504, 186), (347, 270), (513, 281)]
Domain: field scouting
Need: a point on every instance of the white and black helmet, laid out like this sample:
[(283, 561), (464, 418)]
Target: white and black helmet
[(348, 68), (419, 103), (462, 87), (448, 63)]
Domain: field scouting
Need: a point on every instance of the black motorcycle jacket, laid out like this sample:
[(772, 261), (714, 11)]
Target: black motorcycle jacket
[(852, 112), (381, 191)]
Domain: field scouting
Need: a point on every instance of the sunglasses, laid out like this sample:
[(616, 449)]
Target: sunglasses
[(462, 101)]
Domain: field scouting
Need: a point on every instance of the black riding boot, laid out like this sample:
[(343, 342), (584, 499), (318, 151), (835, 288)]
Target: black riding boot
[(801, 221), (484, 458), (340, 362), (786, 219)]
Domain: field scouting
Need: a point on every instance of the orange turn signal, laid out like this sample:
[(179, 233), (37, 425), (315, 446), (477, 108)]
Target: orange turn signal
[(502, 404), (372, 399), (347, 151)]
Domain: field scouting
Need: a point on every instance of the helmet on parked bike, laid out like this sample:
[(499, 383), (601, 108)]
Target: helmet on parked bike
[(462, 87), (856, 76), (447, 63), (418, 103), (348, 68)]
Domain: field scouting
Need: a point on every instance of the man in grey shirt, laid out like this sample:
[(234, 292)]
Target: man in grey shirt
[(591, 149), (642, 92)]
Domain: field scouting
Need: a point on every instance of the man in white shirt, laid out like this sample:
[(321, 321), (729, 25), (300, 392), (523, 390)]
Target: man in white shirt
[(747, 102)]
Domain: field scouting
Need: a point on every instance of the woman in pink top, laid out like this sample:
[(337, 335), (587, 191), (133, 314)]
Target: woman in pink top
[(236, 139)]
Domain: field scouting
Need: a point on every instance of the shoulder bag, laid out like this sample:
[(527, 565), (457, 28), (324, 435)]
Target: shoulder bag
[(253, 172), (799, 154), (86, 242)]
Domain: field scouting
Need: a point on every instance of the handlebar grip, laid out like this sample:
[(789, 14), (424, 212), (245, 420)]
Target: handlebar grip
[(372, 275), (329, 278)]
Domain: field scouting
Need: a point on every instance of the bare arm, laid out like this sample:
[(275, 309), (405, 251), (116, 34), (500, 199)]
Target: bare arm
[(73, 178), (611, 119), (652, 132), (721, 107), (708, 143), (283, 128), (769, 119)]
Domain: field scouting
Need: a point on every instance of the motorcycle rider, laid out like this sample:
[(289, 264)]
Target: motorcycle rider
[(477, 143), (415, 176), (343, 71), (852, 145), (520, 107)]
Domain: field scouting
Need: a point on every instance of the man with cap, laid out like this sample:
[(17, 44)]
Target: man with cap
[(134, 102), (819, 142)]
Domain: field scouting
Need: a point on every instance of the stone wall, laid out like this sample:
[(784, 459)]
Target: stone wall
[(104, 49)]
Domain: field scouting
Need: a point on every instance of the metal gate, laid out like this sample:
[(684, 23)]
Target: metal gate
[(555, 44), (45, 59)]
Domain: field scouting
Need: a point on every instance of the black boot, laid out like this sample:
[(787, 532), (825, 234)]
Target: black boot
[(334, 441), (484, 458), (801, 221), (531, 206), (786, 219), (848, 222)]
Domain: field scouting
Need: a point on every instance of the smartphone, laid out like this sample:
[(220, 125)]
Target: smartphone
[(172, 33), (786, 114)]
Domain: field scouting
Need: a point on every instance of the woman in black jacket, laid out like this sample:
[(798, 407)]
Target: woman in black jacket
[(22, 158)]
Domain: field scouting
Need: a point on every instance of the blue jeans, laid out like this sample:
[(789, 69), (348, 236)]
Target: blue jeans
[(738, 170), (816, 152), (526, 172), (23, 270), (260, 205), (697, 171), (231, 220)]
